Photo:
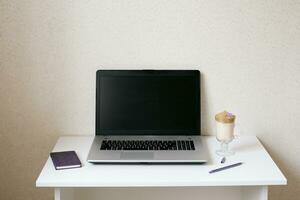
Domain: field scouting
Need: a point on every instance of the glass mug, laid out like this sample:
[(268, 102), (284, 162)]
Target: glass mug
[(225, 134)]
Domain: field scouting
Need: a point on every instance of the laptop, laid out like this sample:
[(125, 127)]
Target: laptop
[(148, 117)]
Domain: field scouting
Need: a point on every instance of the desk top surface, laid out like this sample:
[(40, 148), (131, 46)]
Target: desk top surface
[(258, 168)]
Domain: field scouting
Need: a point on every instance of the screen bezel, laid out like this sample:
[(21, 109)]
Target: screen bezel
[(195, 74)]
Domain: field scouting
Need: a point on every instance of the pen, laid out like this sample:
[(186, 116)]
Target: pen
[(226, 167)]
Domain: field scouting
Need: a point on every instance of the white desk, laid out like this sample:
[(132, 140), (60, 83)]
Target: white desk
[(248, 182)]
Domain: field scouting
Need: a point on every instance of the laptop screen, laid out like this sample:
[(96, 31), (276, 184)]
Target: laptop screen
[(154, 102)]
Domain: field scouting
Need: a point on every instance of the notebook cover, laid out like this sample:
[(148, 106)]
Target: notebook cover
[(65, 160)]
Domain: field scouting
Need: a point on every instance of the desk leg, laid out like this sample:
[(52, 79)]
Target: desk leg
[(57, 194), (255, 193), (63, 194)]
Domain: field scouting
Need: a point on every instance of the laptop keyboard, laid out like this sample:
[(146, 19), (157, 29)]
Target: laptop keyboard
[(157, 145)]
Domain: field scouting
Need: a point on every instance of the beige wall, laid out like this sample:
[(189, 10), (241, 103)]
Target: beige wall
[(247, 51)]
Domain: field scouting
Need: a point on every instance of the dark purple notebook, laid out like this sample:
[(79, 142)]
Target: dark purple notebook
[(65, 160)]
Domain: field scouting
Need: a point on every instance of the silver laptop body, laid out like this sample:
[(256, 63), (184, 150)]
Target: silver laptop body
[(148, 117)]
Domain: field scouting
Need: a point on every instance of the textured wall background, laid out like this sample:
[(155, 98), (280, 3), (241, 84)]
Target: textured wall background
[(247, 51)]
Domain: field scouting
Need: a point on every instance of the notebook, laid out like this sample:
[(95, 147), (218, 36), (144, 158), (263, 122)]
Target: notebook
[(65, 160)]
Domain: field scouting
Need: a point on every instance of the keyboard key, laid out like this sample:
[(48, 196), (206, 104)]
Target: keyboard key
[(183, 145), (192, 145), (179, 145), (187, 144)]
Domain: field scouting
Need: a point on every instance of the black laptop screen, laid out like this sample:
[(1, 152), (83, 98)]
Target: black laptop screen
[(148, 103)]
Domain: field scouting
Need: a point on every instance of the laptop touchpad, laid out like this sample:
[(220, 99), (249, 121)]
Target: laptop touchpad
[(137, 155)]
